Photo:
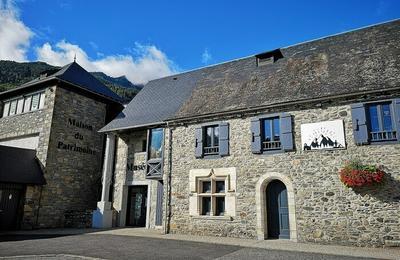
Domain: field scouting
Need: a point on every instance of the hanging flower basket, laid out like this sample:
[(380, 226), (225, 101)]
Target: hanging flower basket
[(355, 174)]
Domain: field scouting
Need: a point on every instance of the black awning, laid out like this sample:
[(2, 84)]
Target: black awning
[(19, 165)]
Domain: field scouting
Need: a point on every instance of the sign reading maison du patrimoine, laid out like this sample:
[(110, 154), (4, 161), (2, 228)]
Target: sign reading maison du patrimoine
[(323, 135), (74, 147)]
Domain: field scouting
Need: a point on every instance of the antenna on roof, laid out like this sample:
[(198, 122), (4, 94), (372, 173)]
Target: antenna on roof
[(75, 58)]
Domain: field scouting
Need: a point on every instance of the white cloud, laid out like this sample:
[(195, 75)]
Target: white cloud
[(148, 63), (206, 57), (144, 63), (14, 34)]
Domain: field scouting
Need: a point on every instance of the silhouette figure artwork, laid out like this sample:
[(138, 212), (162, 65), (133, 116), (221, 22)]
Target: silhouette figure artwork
[(323, 135)]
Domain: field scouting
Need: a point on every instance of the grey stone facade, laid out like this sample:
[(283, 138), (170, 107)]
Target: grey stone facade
[(326, 211), (72, 169), (129, 155), (313, 82), (32, 123)]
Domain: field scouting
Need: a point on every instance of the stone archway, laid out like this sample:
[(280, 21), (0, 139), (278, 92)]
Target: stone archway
[(262, 231)]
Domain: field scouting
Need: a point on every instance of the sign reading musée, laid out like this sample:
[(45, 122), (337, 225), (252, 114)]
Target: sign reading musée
[(78, 136), (323, 135)]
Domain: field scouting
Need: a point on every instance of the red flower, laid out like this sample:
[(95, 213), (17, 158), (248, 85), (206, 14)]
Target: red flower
[(360, 175)]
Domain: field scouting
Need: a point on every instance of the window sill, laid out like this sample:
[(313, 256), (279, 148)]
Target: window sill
[(325, 150), (211, 156), (223, 218), (383, 142)]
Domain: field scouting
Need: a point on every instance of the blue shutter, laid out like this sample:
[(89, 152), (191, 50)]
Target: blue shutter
[(255, 135), (198, 151), (159, 208), (396, 105), (223, 139), (360, 129), (286, 132)]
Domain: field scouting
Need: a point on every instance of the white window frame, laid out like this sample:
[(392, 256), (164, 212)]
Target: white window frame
[(198, 176), (26, 104), (212, 194)]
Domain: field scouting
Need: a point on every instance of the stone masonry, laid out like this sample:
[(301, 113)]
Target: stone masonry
[(73, 174), (74, 178), (130, 152), (326, 211), (32, 123)]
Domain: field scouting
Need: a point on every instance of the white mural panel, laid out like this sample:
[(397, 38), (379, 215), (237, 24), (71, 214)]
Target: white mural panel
[(323, 135)]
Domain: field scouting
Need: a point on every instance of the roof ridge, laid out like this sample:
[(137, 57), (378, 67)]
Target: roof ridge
[(286, 47)]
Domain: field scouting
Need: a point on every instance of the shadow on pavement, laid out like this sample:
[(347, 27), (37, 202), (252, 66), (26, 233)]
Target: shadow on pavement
[(10, 238)]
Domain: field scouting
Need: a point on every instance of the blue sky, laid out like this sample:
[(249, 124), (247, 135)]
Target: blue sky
[(157, 38)]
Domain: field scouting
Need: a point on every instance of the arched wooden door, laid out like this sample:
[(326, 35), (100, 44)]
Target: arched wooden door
[(277, 210)]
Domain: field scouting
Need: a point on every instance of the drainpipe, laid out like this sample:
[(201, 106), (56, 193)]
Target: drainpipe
[(167, 217)]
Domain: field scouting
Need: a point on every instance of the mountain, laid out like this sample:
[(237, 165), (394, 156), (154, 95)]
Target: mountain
[(120, 85), (13, 74)]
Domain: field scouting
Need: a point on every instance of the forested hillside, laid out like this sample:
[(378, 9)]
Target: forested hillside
[(13, 74)]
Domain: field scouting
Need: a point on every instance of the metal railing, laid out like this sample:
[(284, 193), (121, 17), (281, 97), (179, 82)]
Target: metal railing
[(383, 136), (211, 150), (154, 168), (271, 145)]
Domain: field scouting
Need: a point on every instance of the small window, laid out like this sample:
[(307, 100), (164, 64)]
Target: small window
[(42, 98), (13, 107), (6, 109), (154, 163), (271, 138), (35, 101), (212, 197), (220, 186), (211, 140), (20, 105), (27, 105), (24, 104), (206, 206), (155, 145), (206, 187), (219, 206), (381, 122), (270, 57)]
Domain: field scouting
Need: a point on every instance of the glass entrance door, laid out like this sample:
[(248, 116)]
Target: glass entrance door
[(137, 206)]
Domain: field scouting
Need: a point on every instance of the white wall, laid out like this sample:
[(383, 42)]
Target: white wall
[(27, 142)]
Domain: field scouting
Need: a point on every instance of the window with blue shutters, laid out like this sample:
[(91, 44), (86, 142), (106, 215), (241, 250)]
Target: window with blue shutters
[(377, 122), (212, 140), (271, 133)]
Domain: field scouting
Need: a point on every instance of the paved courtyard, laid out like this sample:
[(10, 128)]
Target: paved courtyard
[(111, 246)]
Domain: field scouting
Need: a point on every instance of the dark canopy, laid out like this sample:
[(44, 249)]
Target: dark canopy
[(19, 165)]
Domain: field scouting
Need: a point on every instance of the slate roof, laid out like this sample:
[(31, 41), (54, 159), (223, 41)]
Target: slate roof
[(158, 100), (357, 61), (353, 62), (76, 76), (19, 165)]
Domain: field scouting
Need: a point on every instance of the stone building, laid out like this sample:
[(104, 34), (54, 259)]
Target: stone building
[(252, 148), (50, 149)]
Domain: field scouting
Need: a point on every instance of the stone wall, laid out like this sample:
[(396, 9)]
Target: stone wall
[(32, 123), (325, 210), (130, 152), (74, 158)]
